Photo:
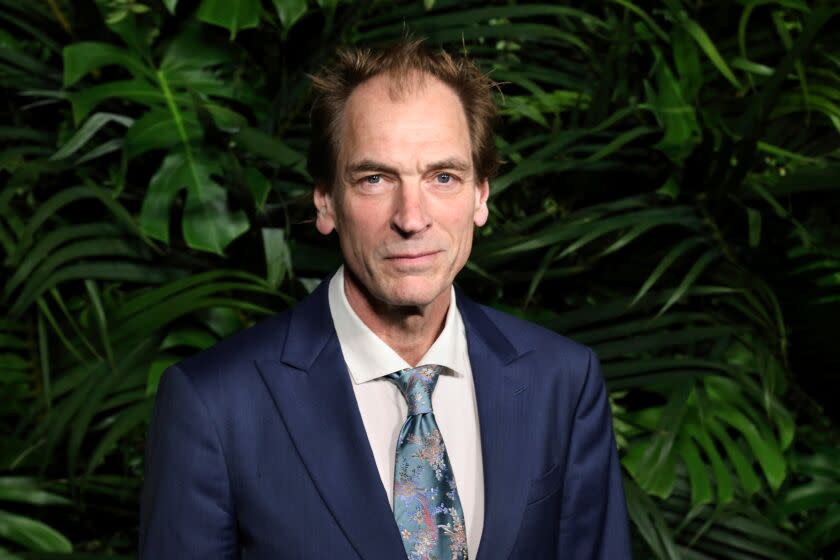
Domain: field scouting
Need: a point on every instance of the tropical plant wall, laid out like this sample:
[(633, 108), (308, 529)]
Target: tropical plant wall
[(671, 197)]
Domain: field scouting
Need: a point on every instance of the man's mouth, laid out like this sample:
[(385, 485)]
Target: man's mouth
[(412, 258)]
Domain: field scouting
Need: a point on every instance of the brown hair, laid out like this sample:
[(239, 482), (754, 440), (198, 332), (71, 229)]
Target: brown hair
[(404, 62)]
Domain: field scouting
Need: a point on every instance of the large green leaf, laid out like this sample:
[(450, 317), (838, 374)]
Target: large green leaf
[(234, 16), (191, 49), (157, 130), (32, 534), (83, 57), (289, 11), (208, 223), (138, 90)]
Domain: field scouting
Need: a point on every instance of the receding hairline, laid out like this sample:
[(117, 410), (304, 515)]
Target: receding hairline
[(402, 90)]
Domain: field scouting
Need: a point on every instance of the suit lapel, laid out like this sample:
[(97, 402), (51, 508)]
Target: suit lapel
[(311, 388), (499, 388)]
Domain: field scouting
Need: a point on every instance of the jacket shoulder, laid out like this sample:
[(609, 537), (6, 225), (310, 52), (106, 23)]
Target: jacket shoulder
[(262, 341), (527, 336)]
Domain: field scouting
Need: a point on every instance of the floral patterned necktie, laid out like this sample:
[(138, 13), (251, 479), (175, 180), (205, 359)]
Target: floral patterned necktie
[(426, 504)]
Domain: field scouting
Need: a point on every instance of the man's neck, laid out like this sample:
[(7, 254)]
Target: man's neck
[(409, 330)]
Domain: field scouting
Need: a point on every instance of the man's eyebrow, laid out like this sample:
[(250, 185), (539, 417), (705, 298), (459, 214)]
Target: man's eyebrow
[(371, 166), (454, 164)]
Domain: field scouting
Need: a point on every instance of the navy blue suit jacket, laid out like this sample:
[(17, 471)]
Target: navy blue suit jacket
[(257, 449)]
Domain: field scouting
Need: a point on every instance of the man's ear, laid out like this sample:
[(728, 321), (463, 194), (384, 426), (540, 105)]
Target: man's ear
[(325, 208), (482, 193)]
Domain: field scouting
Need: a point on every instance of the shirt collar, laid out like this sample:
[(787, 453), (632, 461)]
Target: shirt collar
[(369, 357)]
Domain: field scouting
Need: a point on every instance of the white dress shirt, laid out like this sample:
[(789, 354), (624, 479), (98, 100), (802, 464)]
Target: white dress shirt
[(384, 409)]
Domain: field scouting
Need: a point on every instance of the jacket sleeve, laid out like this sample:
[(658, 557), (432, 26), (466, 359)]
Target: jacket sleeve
[(593, 521), (186, 507)]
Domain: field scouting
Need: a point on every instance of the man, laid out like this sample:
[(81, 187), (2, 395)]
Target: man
[(313, 435)]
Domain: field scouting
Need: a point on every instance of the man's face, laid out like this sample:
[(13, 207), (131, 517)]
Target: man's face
[(406, 197)]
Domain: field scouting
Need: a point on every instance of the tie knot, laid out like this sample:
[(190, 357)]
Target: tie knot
[(417, 384)]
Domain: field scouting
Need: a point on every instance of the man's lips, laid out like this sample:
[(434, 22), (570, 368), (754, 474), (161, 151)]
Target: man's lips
[(412, 260), (410, 256)]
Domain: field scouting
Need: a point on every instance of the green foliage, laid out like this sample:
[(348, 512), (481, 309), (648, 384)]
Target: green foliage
[(174, 94), (670, 198), (26, 531)]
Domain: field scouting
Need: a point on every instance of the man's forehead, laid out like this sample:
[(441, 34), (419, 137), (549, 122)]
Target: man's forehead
[(411, 134), (372, 104), (385, 89), (398, 85)]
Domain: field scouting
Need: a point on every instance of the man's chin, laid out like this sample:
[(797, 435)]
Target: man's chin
[(417, 293), (407, 300)]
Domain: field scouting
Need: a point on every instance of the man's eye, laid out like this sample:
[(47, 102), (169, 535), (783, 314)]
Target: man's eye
[(444, 177), (373, 179)]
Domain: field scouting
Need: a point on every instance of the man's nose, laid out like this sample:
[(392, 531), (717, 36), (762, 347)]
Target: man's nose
[(410, 212)]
